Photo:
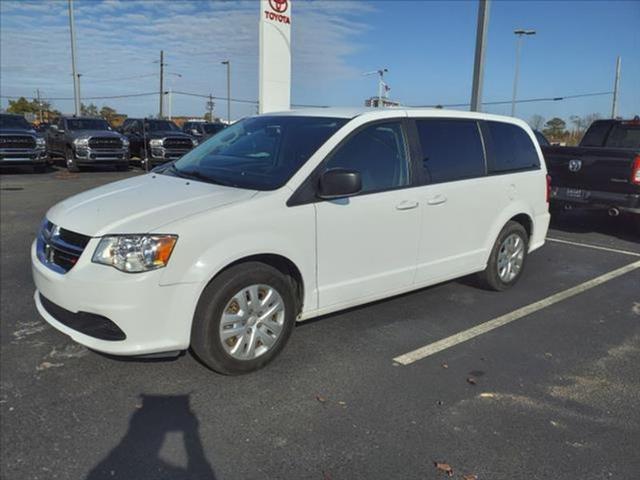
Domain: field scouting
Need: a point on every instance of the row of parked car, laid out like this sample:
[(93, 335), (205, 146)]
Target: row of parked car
[(84, 141)]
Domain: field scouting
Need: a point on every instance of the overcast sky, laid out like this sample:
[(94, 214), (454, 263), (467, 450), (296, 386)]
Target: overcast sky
[(427, 46)]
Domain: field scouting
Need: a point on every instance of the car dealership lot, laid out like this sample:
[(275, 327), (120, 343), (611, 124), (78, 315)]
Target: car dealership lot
[(552, 394)]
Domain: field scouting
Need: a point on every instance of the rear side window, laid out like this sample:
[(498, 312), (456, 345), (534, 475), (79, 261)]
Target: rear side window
[(452, 149), (624, 136), (596, 134), (511, 148)]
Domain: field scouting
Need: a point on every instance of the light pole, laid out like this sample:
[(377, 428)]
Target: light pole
[(381, 85), (76, 77), (228, 64), (170, 93), (478, 63), (519, 33)]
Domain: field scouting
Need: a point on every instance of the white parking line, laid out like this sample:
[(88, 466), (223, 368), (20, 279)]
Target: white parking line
[(427, 350), (596, 247)]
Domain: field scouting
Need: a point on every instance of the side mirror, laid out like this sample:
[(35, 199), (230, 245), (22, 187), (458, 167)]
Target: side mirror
[(339, 183)]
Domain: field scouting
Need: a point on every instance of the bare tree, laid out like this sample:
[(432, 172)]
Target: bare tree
[(536, 121)]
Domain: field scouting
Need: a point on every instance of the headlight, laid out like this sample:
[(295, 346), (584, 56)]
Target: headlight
[(125, 142), (135, 253), (156, 142), (40, 142), (194, 142), (81, 142)]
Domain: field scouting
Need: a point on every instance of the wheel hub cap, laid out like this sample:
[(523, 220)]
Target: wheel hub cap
[(510, 257), (252, 322)]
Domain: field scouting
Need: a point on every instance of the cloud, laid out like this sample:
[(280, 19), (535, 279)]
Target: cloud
[(118, 39)]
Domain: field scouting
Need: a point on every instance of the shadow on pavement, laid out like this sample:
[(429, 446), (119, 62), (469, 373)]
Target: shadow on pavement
[(137, 456), (625, 227)]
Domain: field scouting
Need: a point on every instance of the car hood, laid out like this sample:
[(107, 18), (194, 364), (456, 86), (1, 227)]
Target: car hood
[(141, 204), (17, 131), (94, 133), (167, 133)]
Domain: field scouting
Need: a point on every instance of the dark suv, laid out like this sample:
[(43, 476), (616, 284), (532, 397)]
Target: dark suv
[(85, 141), (20, 144), (202, 130), (156, 141)]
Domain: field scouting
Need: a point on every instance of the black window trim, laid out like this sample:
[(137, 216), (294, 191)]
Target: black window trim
[(489, 156), (420, 157), (306, 193)]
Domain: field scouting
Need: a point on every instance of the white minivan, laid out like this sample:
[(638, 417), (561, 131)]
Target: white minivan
[(287, 216)]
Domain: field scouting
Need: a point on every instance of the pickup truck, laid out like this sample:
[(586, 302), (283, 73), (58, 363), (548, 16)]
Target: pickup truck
[(20, 144), (156, 141), (603, 172), (202, 130), (84, 141)]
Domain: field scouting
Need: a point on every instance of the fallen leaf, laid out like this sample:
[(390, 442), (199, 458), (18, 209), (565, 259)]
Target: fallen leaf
[(486, 395), (444, 365), (344, 404), (46, 365), (320, 398), (444, 467), (470, 477), (471, 380)]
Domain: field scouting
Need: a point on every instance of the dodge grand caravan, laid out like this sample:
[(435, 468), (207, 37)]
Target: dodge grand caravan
[(287, 216)]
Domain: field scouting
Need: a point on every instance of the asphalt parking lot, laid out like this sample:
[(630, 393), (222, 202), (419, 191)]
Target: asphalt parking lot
[(551, 394)]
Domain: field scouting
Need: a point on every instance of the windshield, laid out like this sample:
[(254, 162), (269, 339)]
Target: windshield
[(212, 127), (87, 124), (624, 136), (11, 121), (160, 126), (259, 153)]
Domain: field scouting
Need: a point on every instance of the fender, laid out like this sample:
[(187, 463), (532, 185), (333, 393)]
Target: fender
[(515, 208)]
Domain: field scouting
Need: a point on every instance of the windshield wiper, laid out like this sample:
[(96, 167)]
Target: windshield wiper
[(195, 175)]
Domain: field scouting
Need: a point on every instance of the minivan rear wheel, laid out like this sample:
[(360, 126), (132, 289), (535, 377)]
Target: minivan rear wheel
[(508, 258), (243, 319)]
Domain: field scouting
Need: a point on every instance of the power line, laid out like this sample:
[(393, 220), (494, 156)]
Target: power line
[(528, 100)]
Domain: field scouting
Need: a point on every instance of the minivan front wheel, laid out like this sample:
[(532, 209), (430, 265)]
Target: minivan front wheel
[(507, 259), (243, 319)]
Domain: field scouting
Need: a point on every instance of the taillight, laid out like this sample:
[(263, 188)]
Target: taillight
[(635, 171), (548, 187)]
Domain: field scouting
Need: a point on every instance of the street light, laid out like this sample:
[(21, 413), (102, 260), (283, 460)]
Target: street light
[(382, 87), (228, 64), (170, 93), (519, 33)]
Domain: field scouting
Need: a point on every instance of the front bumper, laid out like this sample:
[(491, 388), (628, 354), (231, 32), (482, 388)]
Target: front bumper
[(595, 199), (152, 318), (91, 156), (15, 156)]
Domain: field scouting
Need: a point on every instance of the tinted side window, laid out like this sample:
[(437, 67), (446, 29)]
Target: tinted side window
[(379, 153), (511, 148), (596, 134), (452, 149)]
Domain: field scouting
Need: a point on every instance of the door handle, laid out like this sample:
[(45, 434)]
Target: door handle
[(407, 205), (437, 200)]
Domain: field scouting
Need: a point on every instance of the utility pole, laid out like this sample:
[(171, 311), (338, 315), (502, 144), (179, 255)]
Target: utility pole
[(616, 86), (160, 114), (519, 33), (39, 104), (210, 105), (228, 64), (76, 77), (478, 63)]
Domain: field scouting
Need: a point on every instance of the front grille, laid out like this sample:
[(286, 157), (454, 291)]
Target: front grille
[(105, 143), (90, 324), (60, 249), (177, 143), (17, 141)]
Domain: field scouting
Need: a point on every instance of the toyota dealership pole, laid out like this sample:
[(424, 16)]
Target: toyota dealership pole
[(274, 89)]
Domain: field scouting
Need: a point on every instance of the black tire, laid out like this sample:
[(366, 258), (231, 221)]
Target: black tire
[(122, 168), (205, 332), (490, 278), (39, 168), (70, 161)]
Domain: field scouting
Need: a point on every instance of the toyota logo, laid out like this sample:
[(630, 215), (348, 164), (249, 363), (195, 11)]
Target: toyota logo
[(575, 165), (279, 6)]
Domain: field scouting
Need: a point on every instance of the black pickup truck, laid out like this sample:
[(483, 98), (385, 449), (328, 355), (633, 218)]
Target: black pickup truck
[(87, 141), (20, 144), (202, 130), (603, 172), (156, 141)]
